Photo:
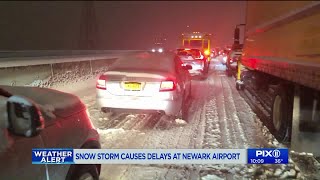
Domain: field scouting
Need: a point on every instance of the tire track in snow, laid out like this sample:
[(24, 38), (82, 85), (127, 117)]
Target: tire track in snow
[(229, 120), (143, 119), (208, 120), (192, 134), (156, 139), (253, 134), (243, 142), (223, 123), (130, 119), (212, 136), (189, 131), (110, 121)]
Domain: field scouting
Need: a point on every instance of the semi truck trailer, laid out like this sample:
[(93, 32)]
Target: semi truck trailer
[(281, 51)]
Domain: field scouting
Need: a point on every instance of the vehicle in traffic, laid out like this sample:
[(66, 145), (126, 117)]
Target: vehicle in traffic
[(32, 117), (224, 56), (158, 48), (196, 59), (232, 61), (159, 44), (149, 83), (214, 53), (281, 59), (197, 40)]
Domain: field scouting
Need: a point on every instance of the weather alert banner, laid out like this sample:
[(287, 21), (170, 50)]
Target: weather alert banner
[(52, 156), (148, 156)]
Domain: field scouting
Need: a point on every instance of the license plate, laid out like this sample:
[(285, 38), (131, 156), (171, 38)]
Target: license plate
[(132, 86)]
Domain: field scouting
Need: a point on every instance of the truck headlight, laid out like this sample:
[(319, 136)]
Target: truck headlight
[(160, 50)]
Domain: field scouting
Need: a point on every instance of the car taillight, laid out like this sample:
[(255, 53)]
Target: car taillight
[(168, 85), (101, 83)]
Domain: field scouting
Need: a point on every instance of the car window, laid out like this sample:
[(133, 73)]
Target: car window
[(196, 53), (196, 43), (178, 64), (182, 53)]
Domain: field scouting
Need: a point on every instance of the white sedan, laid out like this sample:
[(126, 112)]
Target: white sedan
[(146, 82)]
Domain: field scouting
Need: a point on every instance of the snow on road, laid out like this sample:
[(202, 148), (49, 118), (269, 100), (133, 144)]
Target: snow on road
[(218, 118)]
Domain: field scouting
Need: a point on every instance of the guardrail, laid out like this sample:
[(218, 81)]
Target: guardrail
[(29, 58), (39, 53), (25, 65)]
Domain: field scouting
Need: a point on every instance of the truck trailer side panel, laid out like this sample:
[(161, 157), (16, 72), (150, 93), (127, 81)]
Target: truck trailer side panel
[(282, 51), (285, 42)]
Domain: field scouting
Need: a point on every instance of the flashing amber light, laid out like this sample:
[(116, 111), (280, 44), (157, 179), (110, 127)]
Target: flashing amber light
[(207, 52)]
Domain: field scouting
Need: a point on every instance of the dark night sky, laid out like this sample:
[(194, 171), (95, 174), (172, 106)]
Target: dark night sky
[(121, 25)]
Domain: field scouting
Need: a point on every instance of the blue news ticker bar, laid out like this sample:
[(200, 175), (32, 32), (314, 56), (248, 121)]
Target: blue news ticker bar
[(268, 156), (249, 156)]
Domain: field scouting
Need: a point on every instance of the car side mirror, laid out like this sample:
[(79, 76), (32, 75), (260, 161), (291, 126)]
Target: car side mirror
[(187, 67), (24, 117)]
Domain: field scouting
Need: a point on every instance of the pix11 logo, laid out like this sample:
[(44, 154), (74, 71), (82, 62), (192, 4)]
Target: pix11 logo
[(268, 156), (268, 153)]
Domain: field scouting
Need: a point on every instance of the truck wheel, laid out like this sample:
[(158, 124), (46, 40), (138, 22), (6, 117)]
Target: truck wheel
[(282, 108)]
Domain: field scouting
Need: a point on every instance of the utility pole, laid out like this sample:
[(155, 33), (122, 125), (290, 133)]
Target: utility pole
[(88, 27)]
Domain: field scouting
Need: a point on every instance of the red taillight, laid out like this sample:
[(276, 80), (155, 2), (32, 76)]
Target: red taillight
[(167, 85), (101, 83)]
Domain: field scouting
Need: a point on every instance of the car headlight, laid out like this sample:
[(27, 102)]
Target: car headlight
[(153, 50), (160, 50), (224, 58)]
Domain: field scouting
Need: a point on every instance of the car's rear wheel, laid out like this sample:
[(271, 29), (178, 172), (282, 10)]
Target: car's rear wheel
[(183, 113), (84, 172)]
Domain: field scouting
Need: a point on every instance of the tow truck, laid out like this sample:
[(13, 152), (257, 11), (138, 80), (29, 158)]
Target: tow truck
[(200, 41)]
